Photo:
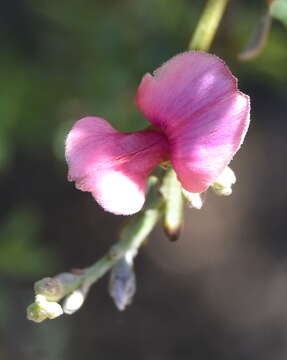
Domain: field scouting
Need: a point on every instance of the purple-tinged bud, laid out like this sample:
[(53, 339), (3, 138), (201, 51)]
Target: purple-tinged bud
[(122, 285)]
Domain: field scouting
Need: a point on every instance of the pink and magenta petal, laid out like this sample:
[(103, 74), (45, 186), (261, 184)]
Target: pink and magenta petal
[(193, 99), (203, 147), (184, 85), (113, 166)]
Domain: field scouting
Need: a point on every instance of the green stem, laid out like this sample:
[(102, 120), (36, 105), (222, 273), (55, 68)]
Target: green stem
[(207, 25), (131, 238), (133, 234)]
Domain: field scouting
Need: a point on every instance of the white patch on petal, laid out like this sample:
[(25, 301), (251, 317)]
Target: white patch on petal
[(118, 194)]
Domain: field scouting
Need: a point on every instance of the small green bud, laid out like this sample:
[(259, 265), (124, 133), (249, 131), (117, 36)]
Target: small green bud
[(51, 288), (42, 309), (173, 210), (36, 313), (223, 184)]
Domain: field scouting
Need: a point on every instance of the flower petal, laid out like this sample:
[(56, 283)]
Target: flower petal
[(184, 85), (202, 148), (193, 99), (113, 166)]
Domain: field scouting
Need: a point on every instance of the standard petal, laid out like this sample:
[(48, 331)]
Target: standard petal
[(184, 85), (113, 166), (204, 146)]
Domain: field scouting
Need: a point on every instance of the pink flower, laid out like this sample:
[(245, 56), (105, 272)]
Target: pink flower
[(199, 121)]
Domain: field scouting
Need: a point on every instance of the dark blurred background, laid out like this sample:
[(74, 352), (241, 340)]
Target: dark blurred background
[(220, 292)]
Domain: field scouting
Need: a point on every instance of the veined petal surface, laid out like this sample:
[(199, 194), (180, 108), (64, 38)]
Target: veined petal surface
[(202, 148), (185, 84), (193, 99), (113, 166)]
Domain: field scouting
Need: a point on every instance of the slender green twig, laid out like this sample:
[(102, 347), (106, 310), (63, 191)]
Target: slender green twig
[(50, 290), (132, 236), (207, 25)]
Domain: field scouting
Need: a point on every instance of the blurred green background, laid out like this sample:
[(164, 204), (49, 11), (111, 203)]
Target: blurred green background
[(218, 293)]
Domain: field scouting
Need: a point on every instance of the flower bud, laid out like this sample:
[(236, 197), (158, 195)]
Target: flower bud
[(173, 211), (42, 309), (122, 285), (52, 308), (74, 301), (36, 313), (51, 288), (223, 184), (67, 278)]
